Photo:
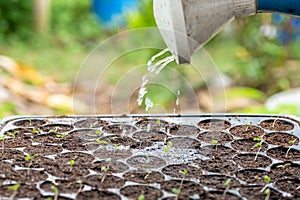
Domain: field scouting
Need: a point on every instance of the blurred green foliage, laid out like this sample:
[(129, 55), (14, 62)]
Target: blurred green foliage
[(15, 19)]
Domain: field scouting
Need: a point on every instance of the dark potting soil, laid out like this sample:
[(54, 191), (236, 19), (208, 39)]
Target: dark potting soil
[(133, 192), (153, 124), (114, 166), (218, 181), (56, 128), (277, 125), (217, 151), (184, 143), (284, 154), (43, 149), (281, 139), (8, 154), (26, 176), (146, 162), (247, 131), (257, 192), (189, 188), (144, 176), (291, 186), (220, 195), (286, 169), (252, 161), (119, 129), (95, 194), (214, 124), (24, 191), (104, 153), (218, 165), (182, 130), (151, 136), (30, 122), (248, 145), (104, 181), (63, 186), (90, 123), (174, 171), (218, 137), (253, 176)]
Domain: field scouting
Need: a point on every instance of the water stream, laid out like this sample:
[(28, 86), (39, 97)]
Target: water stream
[(153, 67)]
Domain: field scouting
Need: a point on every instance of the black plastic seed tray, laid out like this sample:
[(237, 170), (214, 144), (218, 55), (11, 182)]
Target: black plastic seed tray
[(150, 157)]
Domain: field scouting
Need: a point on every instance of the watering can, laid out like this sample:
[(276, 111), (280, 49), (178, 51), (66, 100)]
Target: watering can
[(186, 25)]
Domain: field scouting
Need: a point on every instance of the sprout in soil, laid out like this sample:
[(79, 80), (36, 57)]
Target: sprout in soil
[(286, 165), (71, 163), (30, 159), (93, 125), (101, 142), (141, 197), (158, 122), (148, 172), (80, 186), (266, 190), (2, 138), (105, 169), (168, 147), (214, 142), (13, 135), (55, 190), (247, 127), (61, 135), (291, 143), (177, 191), (227, 184), (35, 131), (258, 145), (98, 132), (15, 189)]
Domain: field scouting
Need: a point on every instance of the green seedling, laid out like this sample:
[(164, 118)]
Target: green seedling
[(35, 131), (30, 159), (291, 143), (148, 172), (13, 135), (15, 189), (2, 138), (55, 190), (266, 190), (101, 142), (105, 169), (117, 144), (61, 135), (258, 145), (227, 184), (177, 191), (158, 122), (284, 166), (141, 197), (168, 147), (98, 132), (71, 163), (215, 142), (247, 127), (80, 186), (93, 125)]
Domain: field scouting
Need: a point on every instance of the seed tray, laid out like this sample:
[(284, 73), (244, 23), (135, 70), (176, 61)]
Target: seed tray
[(155, 156)]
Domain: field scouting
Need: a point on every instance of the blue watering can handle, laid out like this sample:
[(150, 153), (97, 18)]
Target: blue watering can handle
[(291, 7)]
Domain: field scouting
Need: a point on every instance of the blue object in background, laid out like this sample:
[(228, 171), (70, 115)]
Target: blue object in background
[(291, 7), (109, 12), (288, 28)]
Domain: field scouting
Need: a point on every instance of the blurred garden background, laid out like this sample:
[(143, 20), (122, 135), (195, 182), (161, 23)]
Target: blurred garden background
[(44, 42)]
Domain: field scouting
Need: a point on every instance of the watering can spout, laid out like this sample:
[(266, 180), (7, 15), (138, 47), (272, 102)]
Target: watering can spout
[(187, 25)]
